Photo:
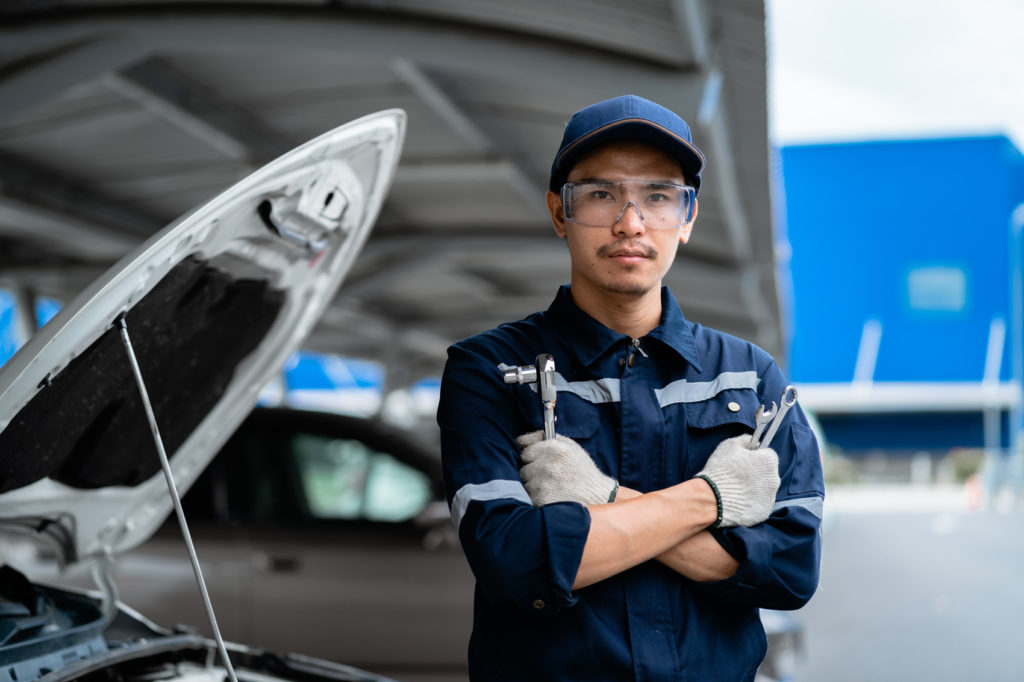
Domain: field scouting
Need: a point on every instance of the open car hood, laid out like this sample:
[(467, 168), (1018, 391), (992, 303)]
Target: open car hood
[(213, 305)]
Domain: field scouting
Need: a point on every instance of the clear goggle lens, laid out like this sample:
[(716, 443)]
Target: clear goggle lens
[(660, 205)]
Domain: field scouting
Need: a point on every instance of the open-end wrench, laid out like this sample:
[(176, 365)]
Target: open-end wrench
[(787, 401)]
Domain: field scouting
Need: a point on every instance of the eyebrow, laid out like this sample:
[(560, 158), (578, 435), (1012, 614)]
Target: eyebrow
[(605, 181)]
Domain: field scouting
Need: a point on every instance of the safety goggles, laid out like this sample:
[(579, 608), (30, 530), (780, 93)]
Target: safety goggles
[(660, 205)]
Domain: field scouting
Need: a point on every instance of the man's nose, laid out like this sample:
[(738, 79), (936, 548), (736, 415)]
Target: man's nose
[(629, 222)]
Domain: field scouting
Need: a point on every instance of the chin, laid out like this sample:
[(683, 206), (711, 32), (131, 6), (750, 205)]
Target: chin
[(629, 288)]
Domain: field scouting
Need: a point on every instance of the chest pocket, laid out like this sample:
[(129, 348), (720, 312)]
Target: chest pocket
[(574, 417), (709, 422), (735, 406)]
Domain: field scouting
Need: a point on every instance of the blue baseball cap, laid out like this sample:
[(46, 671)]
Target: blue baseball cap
[(626, 117)]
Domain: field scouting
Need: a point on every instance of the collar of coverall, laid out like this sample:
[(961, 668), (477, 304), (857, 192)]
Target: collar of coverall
[(589, 339)]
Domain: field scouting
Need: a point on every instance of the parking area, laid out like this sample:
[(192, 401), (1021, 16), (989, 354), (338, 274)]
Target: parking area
[(916, 585)]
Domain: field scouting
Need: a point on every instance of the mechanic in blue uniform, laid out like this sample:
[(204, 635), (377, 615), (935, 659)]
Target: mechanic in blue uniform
[(640, 543)]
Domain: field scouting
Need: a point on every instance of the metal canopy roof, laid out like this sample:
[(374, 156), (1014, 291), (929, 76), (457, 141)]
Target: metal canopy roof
[(117, 117)]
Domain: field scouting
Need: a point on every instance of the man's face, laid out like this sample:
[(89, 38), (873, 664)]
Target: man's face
[(626, 258)]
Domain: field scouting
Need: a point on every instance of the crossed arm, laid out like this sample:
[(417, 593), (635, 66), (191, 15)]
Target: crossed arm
[(669, 525)]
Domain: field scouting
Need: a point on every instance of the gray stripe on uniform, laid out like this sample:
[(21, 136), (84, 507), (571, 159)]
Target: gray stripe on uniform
[(608, 390), (482, 492), (595, 392), (684, 391), (815, 505), (598, 391)]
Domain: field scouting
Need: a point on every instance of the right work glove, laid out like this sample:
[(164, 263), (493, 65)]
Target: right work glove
[(560, 470), (744, 481)]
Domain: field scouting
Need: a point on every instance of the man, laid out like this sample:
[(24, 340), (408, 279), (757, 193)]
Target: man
[(638, 544)]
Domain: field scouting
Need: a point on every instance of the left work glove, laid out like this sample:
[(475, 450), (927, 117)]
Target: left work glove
[(560, 470), (745, 481)]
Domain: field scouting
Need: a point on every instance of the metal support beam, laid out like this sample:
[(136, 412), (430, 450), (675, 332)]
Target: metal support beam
[(428, 90), (199, 110), (691, 25), (56, 234), (723, 170), (454, 171), (349, 327), (24, 312), (58, 281), (47, 64), (510, 248), (438, 101), (68, 206), (723, 174)]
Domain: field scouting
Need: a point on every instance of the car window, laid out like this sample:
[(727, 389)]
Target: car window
[(346, 479)]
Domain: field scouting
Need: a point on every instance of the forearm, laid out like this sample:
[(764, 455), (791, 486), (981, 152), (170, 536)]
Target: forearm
[(737, 486), (699, 557), (637, 528)]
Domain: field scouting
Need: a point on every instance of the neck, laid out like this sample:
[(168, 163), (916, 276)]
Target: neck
[(634, 315)]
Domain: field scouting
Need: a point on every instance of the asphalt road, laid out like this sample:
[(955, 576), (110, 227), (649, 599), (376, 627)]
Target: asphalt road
[(916, 585)]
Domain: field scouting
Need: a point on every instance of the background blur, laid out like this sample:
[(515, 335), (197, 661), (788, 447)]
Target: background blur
[(860, 219), (899, 128)]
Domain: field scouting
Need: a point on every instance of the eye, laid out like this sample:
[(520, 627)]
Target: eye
[(659, 194), (594, 193)]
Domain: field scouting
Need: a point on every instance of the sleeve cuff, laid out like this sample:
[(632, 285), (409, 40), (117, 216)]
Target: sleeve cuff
[(566, 527)]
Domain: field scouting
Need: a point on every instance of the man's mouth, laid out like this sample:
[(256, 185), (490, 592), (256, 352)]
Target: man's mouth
[(627, 252)]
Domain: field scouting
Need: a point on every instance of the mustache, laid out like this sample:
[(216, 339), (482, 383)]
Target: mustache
[(627, 246)]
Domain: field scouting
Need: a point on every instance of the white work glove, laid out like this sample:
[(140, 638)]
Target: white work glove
[(744, 481), (560, 470)]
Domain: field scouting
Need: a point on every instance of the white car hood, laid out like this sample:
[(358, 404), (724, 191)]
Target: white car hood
[(214, 304)]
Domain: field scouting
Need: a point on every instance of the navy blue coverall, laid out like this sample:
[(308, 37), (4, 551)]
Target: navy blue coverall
[(650, 412)]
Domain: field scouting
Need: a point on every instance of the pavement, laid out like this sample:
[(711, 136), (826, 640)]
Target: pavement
[(918, 582)]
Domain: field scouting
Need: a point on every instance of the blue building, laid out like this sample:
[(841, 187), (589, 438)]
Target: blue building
[(906, 291)]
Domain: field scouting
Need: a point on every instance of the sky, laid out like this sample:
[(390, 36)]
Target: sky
[(843, 70)]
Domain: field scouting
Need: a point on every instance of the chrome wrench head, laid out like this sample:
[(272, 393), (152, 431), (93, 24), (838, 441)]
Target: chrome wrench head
[(787, 400), (763, 417), (542, 373)]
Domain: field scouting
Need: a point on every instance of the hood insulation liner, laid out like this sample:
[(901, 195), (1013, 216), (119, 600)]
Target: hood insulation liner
[(189, 333)]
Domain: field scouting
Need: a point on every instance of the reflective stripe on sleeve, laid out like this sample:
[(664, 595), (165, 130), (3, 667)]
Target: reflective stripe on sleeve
[(815, 504), (481, 492)]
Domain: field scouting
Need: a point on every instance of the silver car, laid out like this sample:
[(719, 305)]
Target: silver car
[(319, 533)]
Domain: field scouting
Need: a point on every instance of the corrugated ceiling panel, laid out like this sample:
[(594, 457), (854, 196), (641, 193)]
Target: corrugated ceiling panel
[(609, 25), (488, 87), (308, 93)]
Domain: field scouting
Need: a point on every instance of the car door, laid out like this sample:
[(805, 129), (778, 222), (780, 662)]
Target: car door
[(157, 578), (342, 565)]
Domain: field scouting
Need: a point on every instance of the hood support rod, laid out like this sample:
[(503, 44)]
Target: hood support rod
[(175, 498)]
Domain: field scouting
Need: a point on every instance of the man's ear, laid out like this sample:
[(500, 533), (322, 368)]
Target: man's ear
[(684, 233), (557, 214)]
